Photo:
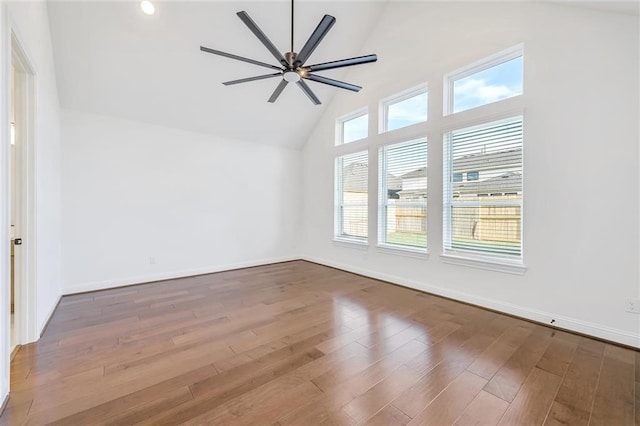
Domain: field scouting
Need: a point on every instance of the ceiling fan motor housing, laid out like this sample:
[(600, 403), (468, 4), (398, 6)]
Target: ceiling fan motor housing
[(290, 57)]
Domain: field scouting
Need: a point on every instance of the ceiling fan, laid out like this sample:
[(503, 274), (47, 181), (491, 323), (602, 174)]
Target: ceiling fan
[(292, 68)]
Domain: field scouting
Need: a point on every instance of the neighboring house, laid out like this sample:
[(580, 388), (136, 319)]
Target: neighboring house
[(355, 193), (355, 197), (484, 191), (412, 218), (487, 193)]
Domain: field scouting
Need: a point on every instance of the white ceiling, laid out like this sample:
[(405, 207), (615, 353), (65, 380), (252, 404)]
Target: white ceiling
[(112, 59)]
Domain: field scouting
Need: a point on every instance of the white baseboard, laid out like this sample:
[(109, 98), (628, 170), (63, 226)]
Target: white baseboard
[(559, 321), (571, 324), (107, 284)]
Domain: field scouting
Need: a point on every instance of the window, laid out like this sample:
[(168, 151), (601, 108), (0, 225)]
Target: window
[(353, 127), (404, 110), (483, 215), (492, 80), (352, 196), (403, 194)]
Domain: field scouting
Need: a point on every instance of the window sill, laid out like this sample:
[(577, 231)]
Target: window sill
[(403, 251), (489, 264), (351, 243)]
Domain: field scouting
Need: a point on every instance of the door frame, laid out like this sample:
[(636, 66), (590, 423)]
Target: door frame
[(25, 318), (11, 43)]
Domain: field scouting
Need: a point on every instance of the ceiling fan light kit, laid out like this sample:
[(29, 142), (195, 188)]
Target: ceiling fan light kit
[(292, 68)]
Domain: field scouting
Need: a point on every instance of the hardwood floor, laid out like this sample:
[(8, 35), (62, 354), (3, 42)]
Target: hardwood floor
[(299, 344)]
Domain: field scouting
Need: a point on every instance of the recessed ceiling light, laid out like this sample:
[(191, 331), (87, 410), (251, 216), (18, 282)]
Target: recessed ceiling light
[(147, 7)]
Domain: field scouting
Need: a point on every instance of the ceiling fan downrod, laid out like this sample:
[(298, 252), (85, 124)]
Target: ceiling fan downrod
[(292, 20)]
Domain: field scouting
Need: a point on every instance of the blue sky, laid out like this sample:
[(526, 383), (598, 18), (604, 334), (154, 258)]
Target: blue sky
[(407, 112), (355, 129), (493, 84), (500, 82)]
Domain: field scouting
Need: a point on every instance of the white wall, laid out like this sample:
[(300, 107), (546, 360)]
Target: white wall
[(29, 22), (581, 229), (194, 202)]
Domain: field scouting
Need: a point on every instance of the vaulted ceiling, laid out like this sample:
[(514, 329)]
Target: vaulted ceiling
[(114, 60)]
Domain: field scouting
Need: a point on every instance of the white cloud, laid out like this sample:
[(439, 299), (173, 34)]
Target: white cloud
[(473, 92)]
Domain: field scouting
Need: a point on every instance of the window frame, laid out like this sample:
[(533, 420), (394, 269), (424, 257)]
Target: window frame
[(383, 106), (338, 234), (339, 126), (476, 67), (479, 259), (382, 200)]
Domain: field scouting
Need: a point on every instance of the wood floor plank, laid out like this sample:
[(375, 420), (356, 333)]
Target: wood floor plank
[(485, 409), (574, 400), (452, 401), (260, 406), (508, 380), (532, 403), (366, 405), (492, 359), (561, 414), (127, 413), (389, 416), (413, 400), (637, 404), (298, 343), (346, 383), (558, 355), (614, 398)]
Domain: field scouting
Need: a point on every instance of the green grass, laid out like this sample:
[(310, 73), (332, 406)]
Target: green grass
[(420, 240), (503, 247), (407, 239)]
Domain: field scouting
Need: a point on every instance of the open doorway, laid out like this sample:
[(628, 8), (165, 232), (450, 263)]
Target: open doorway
[(13, 341), (22, 198)]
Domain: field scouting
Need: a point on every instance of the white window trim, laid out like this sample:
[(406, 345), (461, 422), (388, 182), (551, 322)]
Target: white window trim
[(399, 97), (405, 251), (480, 262), (475, 67), (496, 262), (339, 130), (337, 206), (352, 243)]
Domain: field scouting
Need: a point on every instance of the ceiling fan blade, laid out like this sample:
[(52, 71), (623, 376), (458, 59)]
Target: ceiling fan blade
[(342, 63), (334, 83), (278, 90), (314, 40), (244, 16), (246, 80), (307, 91), (239, 58)]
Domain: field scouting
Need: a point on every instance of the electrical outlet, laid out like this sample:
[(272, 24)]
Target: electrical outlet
[(633, 306), (152, 260)]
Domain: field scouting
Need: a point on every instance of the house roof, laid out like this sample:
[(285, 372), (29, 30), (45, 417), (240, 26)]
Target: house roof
[(488, 161), (505, 183), (418, 173)]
